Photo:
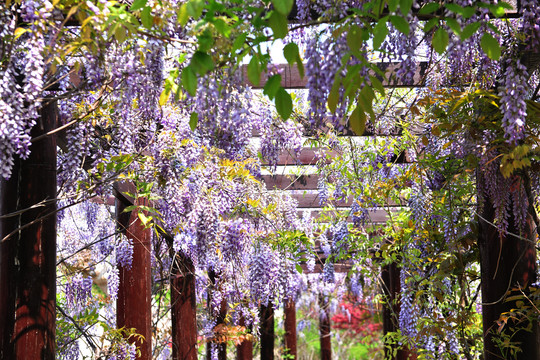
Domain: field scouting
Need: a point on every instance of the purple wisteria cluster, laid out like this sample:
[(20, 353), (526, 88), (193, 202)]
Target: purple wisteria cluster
[(513, 95), (21, 78)]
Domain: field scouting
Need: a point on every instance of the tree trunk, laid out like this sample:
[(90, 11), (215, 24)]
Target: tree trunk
[(28, 250), (134, 292)]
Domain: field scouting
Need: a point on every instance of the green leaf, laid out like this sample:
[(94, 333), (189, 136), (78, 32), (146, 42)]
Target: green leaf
[(253, 71), (291, 53), (193, 120), (377, 84), (354, 37), (454, 25), (283, 103), (239, 41), (429, 8), (468, 11), (146, 17), (284, 7), (405, 6), (273, 84), (357, 121), (430, 24), (500, 9), (333, 96), (222, 27), (201, 62), (195, 8), (138, 4), (278, 23), (455, 8), (189, 80), (299, 268), (469, 30), (182, 15), (490, 46), (400, 23), (379, 33), (440, 40)]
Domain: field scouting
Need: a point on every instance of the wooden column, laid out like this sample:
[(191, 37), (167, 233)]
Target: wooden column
[(390, 275), (325, 329), (290, 328), (133, 306), (28, 256), (507, 262), (244, 351), (183, 309), (221, 347), (267, 331)]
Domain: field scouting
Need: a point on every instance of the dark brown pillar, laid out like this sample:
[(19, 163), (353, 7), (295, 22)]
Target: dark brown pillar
[(28, 256), (267, 331), (183, 309), (133, 306), (506, 262), (244, 351), (221, 347), (325, 329), (391, 284), (290, 328)]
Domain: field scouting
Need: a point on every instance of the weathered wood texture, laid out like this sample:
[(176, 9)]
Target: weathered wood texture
[(507, 263), (266, 313), (244, 351), (183, 309), (290, 329), (133, 306), (28, 256), (391, 286), (220, 319), (291, 79), (325, 328)]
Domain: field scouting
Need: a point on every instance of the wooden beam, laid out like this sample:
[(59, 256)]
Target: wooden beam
[(291, 182), (376, 215), (28, 255), (133, 306), (291, 79)]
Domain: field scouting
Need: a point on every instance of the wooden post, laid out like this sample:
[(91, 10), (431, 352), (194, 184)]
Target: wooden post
[(266, 313), (244, 351), (290, 328), (133, 306), (28, 256), (325, 329), (505, 263), (183, 309), (221, 347), (390, 275)]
